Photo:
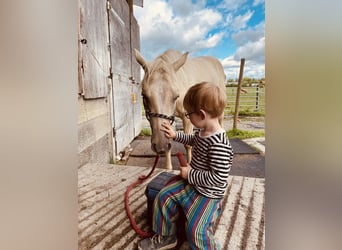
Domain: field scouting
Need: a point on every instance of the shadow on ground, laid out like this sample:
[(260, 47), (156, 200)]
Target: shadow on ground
[(247, 161)]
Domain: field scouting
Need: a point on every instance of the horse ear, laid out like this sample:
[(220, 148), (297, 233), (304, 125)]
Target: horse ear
[(140, 59), (180, 62)]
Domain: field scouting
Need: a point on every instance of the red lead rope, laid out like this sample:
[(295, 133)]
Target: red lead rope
[(140, 180), (181, 160)]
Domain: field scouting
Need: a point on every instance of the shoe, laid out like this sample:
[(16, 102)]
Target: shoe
[(158, 242)]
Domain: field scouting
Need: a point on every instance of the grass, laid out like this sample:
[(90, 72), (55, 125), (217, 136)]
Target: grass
[(145, 132), (250, 113), (244, 134), (247, 103)]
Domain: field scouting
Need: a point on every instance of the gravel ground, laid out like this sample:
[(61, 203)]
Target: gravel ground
[(246, 123)]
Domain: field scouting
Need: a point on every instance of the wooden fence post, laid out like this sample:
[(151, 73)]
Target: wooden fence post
[(237, 101), (257, 98)]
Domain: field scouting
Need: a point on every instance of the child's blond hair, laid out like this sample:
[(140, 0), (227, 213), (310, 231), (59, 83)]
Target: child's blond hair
[(206, 96)]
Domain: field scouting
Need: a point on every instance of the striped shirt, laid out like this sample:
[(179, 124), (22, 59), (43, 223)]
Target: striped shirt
[(211, 161)]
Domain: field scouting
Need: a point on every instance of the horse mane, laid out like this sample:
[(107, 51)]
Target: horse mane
[(170, 55), (161, 63)]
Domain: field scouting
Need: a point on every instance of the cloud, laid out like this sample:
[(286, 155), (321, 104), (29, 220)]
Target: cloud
[(249, 35), (251, 46), (183, 8), (211, 42), (251, 43), (240, 21), (232, 5), (254, 54), (163, 29), (252, 69), (254, 51), (257, 2), (204, 29)]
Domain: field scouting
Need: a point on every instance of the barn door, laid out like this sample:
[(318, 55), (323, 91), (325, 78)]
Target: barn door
[(93, 53), (125, 91)]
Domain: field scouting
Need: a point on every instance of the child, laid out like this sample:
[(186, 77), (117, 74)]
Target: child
[(204, 180)]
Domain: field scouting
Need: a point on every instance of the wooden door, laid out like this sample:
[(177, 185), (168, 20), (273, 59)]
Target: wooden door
[(126, 93), (93, 49)]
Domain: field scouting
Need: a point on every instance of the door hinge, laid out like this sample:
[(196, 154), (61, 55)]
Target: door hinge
[(131, 78), (108, 5), (110, 73)]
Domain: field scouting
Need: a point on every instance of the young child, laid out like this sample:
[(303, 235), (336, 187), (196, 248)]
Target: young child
[(203, 184)]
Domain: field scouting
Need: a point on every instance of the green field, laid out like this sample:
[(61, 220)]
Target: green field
[(251, 103)]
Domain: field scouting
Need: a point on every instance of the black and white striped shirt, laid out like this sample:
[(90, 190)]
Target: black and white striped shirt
[(211, 161)]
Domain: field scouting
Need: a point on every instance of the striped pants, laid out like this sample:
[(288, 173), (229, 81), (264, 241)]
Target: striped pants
[(200, 213)]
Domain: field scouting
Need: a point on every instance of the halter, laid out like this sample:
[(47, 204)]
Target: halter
[(149, 114)]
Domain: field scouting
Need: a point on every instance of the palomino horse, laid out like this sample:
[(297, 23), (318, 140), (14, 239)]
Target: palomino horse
[(166, 80)]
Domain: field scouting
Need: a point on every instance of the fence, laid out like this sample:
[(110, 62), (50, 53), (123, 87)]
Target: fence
[(252, 100)]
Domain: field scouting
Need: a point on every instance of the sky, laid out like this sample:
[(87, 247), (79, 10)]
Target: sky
[(226, 29)]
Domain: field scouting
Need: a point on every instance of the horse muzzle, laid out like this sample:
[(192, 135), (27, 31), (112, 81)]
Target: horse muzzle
[(161, 149)]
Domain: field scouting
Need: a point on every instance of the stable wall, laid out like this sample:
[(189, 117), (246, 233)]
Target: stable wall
[(109, 110), (94, 131)]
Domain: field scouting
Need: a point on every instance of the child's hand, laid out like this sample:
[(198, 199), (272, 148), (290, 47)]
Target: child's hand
[(184, 171), (168, 131)]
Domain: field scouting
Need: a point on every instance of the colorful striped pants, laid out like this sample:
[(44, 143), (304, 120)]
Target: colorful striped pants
[(200, 213)]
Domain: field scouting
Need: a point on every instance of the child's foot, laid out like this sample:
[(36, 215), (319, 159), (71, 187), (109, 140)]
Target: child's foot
[(158, 242)]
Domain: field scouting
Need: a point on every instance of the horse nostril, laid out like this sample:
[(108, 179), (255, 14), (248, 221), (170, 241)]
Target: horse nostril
[(154, 147), (161, 150)]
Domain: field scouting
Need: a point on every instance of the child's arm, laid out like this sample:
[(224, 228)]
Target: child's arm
[(184, 171), (180, 137), (168, 131)]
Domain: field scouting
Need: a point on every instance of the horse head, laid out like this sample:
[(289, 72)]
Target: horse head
[(160, 94)]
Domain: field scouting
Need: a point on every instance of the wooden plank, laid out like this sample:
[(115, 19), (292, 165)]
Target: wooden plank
[(80, 62), (93, 37), (136, 69), (120, 38), (126, 114), (123, 113)]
